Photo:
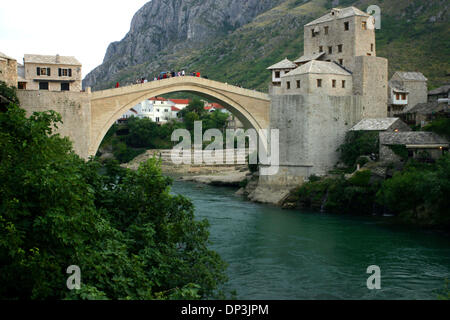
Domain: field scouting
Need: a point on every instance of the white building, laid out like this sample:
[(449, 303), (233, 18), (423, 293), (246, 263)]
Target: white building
[(159, 110)]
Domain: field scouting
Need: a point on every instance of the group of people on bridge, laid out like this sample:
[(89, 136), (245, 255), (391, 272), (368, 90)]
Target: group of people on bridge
[(165, 75)]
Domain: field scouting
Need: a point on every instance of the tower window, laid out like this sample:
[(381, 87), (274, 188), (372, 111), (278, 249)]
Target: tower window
[(341, 62), (320, 49), (333, 83), (319, 83), (371, 47), (313, 34), (346, 26), (326, 30), (343, 83), (298, 84), (364, 25), (340, 48), (277, 74), (288, 85), (330, 50)]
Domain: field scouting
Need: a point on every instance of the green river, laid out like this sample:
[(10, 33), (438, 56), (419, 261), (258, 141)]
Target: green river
[(287, 254)]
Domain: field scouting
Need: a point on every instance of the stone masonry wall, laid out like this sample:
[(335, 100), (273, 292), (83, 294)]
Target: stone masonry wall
[(8, 71), (370, 80), (75, 109)]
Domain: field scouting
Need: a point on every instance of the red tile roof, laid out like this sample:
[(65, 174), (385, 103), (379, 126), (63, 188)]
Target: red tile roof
[(175, 109), (180, 101), (214, 105)]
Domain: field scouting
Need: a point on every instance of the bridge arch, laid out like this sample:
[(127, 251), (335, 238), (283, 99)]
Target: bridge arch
[(251, 107)]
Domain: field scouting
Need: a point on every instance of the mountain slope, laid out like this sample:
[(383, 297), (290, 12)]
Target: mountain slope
[(175, 25), (414, 37)]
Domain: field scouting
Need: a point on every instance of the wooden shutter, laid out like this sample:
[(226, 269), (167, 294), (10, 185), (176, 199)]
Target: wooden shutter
[(38, 71), (48, 71), (59, 72), (70, 72)]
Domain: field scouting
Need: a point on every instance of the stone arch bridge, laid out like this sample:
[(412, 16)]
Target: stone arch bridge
[(251, 107)]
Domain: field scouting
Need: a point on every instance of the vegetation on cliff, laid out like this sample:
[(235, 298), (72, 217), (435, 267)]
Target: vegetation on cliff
[(413, 37), (131, 238)]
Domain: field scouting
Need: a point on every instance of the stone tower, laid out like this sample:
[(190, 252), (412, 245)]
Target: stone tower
[(347, 37), (343, 35), (338, 82)]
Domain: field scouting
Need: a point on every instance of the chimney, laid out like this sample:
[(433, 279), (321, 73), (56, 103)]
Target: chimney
[(57, 58)]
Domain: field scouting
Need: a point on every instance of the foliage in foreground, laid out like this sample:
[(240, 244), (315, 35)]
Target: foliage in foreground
[(131, 238)]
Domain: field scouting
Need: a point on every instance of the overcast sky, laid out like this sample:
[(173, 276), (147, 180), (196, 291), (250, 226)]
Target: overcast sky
[(82, 28)]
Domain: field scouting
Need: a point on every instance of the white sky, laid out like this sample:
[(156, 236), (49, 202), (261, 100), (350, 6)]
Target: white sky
[(81, 28)]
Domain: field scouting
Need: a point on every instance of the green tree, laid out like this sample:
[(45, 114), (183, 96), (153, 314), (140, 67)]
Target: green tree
[(131, 238), (357, 144), (196, 106), (419, 194)]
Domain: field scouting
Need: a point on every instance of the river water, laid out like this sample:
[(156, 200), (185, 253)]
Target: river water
[(288, 254)]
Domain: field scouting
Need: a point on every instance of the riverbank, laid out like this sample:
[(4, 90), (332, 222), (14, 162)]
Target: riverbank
[(217, 175)]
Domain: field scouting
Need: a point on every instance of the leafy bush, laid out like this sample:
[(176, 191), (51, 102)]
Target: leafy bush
[(314, 178), (339, 195), (9, 94), (361, 178), (358, 144), (441, 126), (419, 193)]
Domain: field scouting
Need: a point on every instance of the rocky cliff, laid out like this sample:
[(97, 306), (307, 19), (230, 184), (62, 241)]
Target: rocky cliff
[(175, 25), (234, 41)]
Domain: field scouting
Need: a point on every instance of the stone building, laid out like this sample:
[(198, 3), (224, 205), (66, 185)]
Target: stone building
[(52, 73), (338, 82), (398, 98), (279, 69), (422, 113), (406, 90), (426, 146), (317, 77), (8, 70), (439, 93)]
